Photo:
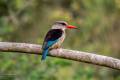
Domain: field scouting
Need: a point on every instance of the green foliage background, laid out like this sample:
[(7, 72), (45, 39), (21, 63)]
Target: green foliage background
[(29, 20)]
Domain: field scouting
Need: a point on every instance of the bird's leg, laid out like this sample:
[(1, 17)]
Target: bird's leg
[(57, 47)]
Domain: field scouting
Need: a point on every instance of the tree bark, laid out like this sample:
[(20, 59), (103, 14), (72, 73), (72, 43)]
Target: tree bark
[(62, 53)]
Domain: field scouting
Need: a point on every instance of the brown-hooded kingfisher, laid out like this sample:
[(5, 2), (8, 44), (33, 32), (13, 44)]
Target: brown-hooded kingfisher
[(55, 37)]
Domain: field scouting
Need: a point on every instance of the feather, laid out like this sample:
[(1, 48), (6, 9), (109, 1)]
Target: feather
[(51, 38), (44, 54)]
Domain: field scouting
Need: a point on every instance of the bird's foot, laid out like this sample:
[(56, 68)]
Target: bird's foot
[(55, 47)]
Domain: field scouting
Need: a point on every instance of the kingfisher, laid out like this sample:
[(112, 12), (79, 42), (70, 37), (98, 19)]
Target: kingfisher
[(55, 37)]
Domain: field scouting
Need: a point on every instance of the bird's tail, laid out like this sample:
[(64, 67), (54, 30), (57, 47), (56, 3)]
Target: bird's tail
[(44, 54)]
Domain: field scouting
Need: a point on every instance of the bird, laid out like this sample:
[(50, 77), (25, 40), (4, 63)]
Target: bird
[(55, 37)]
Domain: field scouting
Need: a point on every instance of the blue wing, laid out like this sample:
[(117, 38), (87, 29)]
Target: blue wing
[(46, 49), (51, 38)]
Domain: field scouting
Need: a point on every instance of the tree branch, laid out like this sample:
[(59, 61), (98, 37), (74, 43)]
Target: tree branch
[(62, 53)]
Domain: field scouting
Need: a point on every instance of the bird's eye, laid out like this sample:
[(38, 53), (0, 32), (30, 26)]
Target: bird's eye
[(63, 24)]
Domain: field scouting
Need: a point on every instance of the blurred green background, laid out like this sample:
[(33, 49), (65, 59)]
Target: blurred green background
[(29, 20)]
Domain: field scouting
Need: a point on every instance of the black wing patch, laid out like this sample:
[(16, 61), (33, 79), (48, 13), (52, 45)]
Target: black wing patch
[(53, 34)]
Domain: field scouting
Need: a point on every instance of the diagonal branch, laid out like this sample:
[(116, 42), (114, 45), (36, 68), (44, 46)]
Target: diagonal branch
[(62, 53)]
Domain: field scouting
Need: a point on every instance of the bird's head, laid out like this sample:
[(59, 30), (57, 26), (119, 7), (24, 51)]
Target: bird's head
[(62, 25)]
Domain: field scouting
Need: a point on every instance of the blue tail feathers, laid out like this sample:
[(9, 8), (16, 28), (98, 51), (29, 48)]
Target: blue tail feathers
[(44, 54)]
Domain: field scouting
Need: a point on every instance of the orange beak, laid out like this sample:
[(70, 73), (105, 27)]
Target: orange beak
[(71, 27)]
